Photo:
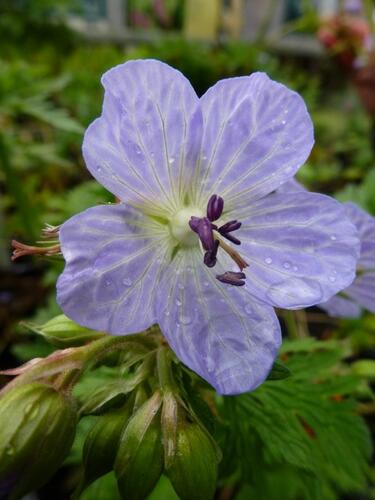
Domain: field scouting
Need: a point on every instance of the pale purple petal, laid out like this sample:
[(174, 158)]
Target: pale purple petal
[(362, 290), (291, 186), (361, 293), (301, 249), (145, 145), (257, 133), (365, 224), (341, 307), (114, 260), (219, 331)]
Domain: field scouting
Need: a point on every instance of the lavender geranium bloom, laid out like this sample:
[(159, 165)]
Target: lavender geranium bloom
[(361, 293), (201, 244)]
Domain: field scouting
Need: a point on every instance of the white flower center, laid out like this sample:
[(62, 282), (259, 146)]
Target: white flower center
[(179, 226)]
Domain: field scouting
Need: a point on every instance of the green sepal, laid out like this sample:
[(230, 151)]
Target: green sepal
[(37, 428), (193, 472), (63, 332), (101, 444), (139, 461), (169, 424), (114, 394), (279, 372)]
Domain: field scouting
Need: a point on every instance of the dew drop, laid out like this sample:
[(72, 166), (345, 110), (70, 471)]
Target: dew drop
[(206, 283), (333, 237), (98, 168), (332, 279), (287, 265), (268, 260), (248, 309), (171, 160), (108, 283), (295, 268), (283, 122), (184, 319), (127, 281), (179, 303), (167, 313), (181, 286)]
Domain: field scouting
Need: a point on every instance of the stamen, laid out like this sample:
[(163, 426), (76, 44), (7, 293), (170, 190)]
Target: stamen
[(206, 234), (233, 254), (229, 227), (20, 249), (210, 256), (232, 278), (215, 207), (194, 223), (231, 238)]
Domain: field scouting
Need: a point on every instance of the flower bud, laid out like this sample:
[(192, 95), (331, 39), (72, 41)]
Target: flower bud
[(63, 332), (139, 461), (101, 444), (37, 428), (193, 472)]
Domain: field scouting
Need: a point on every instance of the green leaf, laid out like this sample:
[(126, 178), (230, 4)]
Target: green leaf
[(279, 372), (302, 435), (364, 368)]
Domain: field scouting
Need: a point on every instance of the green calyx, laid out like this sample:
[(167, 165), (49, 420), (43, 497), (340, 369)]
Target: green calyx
[(37, 428)]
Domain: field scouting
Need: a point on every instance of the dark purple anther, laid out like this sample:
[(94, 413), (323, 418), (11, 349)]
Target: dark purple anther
[(210, 256), (194, 223), (215, 207), (231, 238), (206, 234), (230, 226), (205, 228), (232, 278)]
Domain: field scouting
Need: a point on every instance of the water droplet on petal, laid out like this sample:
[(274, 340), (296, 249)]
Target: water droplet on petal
[(167, 313), (287, 265), (181, 286), (268, 260), (171, 160), (333, 237), (249, 309), (185, 319), (178, 302), (295, 268), (108, 283), (283, 122), (206, 283), (127, 281), (332, 279), (98, 168)]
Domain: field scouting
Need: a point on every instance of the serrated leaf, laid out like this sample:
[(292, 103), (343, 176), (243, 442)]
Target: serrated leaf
[(303, 427)]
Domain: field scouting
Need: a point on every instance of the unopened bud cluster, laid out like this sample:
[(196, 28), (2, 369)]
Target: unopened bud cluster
[(144, 423)]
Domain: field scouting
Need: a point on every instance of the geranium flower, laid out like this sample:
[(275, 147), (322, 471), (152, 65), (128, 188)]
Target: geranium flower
[(361, 293), (190, 173)]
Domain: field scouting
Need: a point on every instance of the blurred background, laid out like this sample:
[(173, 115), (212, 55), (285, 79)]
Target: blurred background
[(52, 54)]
